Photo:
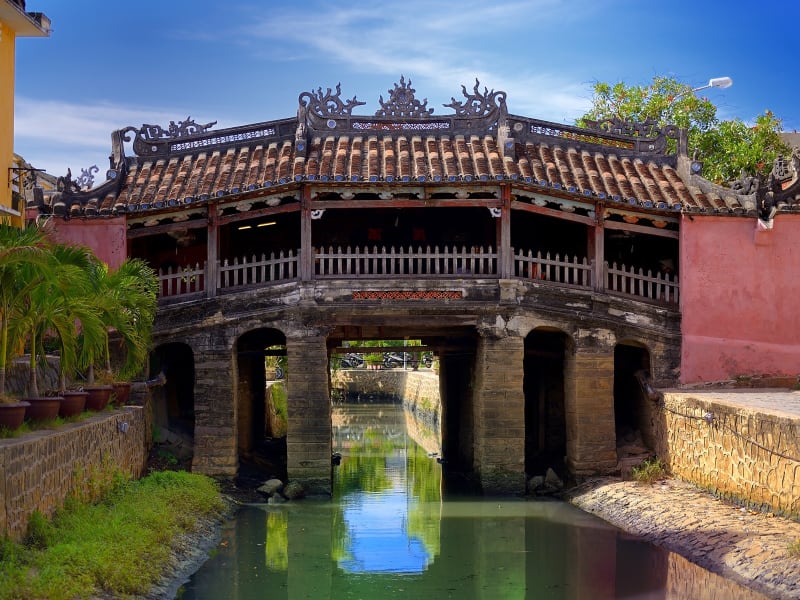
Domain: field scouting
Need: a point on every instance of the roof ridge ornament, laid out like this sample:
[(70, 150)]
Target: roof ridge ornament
[(402, 103), (478, 104), (645, 129), (328, 104)]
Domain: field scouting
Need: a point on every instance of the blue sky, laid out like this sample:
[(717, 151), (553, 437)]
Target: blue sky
[(110, 65)]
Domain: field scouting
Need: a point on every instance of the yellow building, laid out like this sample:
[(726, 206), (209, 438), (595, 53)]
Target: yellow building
[(14, 22)]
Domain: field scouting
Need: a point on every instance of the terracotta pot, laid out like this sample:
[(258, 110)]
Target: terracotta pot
[(72, 403), (122, 391), (43, 408), (12, 415), (98, 396)]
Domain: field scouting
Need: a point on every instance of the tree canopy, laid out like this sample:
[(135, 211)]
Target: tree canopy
[(728, 148)]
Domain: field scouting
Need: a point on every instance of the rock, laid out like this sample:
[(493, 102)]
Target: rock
[(293, 491), (276, 499), (270, 487), (534, 483), (552, 480)]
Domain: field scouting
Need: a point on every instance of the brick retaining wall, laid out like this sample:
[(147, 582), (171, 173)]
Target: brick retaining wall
[(40, 469), (743, 454)]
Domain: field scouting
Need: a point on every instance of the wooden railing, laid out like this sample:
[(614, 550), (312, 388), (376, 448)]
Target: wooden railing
[(258, 271), (182, 281), (576, 272), (346, 263), (629, 281), (420, 263)]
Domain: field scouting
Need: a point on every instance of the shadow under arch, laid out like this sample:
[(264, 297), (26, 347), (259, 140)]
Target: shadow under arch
[(631, 415), (261, 402), (173, 402), (545, 415)]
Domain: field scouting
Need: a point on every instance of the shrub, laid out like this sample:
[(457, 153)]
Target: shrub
[(650, 471)]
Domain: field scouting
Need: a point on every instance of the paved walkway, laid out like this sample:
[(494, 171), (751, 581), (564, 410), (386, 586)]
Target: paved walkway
[(745, 546)]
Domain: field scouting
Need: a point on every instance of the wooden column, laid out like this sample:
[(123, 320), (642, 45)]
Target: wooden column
[(306, 250), (597, 250), (505, 259), (212, 253)]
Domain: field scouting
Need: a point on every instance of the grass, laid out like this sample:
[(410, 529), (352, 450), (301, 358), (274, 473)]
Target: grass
[(114, 547), (650, 471), (794, 549)]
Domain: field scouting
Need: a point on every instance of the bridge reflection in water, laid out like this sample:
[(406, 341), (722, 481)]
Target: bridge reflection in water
[(392, 531)]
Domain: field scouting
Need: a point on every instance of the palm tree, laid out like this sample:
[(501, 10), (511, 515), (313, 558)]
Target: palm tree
[(59, 302), (20, 249), (127, 304)]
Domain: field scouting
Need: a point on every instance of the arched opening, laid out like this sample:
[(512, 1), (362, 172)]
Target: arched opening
[(261, 404), (631, 368), (545, 417), (173, 402), (402, 359)]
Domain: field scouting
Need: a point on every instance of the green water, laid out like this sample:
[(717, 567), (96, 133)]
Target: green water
[(390, 532)]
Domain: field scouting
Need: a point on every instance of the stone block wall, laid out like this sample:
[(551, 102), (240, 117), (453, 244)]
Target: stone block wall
[(742, 454), (39, 470)]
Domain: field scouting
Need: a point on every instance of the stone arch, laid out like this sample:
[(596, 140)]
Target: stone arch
[(260, 397), (546, 348), (174, 402)]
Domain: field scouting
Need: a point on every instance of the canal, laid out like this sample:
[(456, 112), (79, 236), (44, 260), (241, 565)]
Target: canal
[(394, 530)]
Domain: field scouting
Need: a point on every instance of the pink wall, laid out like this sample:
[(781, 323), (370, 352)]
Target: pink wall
[(106, 236), (740, 297)]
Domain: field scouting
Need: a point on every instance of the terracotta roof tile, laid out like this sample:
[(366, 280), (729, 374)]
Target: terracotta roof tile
[(241, 166), (411, 156), (435, 166), (206, 187)]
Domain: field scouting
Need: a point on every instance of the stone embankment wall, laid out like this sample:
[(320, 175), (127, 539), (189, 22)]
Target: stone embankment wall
[(40, 469), (742, 454), (419, 388), (418, 391)]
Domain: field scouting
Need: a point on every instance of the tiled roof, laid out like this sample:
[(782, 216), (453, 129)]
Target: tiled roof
[(188, 163)]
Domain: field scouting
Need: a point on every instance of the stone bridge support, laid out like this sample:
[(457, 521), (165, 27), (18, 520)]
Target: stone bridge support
[(215, 431), (589, 403), (308, 443), (499, 414)]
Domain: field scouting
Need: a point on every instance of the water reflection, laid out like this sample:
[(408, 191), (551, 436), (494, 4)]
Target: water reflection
[(390, 533)]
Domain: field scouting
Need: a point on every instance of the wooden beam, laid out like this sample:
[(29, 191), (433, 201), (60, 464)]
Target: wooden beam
[(407, 203), (643, 229), (139, 232), (261, 212), (551, 212)]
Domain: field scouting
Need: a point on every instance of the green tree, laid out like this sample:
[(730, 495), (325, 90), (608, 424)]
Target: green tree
[(19, 249), (727, 148), (57, 301), (127, 303)]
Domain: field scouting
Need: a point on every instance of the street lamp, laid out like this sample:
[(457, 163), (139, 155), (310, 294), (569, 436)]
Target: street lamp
[(717, 82)]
